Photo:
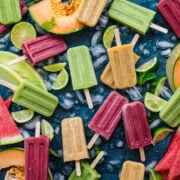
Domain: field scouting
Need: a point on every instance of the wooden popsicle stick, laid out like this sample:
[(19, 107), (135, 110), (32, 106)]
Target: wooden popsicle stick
[(142, 155), (8, 85), (78, 168), (117, 36), (135, 39), (158, 28), (18, 59), (88, 98), (92, 141), (37, 130), (97, 159)]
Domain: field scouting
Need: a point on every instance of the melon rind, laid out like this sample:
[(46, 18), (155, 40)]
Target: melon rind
[(11, 140)]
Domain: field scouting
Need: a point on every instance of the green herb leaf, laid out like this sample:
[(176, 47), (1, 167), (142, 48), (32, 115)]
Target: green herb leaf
[(142, 78), (49, 25)]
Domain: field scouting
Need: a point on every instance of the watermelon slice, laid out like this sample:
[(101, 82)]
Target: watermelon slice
[(9, 133), (8, 101)]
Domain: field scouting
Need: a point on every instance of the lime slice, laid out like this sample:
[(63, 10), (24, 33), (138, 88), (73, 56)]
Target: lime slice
[(54, 67), (23, 115), (108, 36), (161, 133), (54, 153), (154, 175), (148, 66), (22, 32), (61, 80), (47, 129), (153, 102), (157, 84)]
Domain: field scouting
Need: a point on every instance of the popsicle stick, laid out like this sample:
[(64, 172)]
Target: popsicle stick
[(117, 36), (92, 141), (18, 59), (8, 85), (159, 28), (78, 168), (97, 159), (135, 39), (88, 98), (142, 155), (37, 130)]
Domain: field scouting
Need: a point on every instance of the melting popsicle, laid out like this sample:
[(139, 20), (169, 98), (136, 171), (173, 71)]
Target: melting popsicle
[(33, 97), (41, 48), (74, 142), (134, 16), (81, 70), (89, 11), (107, 117), (137, 131), (36, 156)]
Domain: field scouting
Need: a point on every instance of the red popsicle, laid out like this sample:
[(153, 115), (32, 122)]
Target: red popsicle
[(41, 48), (137, 131), (170, 9), (107, 117)]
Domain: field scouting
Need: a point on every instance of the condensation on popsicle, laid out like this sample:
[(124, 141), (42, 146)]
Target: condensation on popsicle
[(107, 117), (41, 48)]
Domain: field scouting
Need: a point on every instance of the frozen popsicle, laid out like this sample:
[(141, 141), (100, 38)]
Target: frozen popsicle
[(107, 76), (132, 170), (170, 113), (107, 117), (36, 156), (89, 11), (41, 48), (88, 171), (10, 12), (33, 97), (74, 142), (170, 10), (82, 70), (137, 131), (134, 16)]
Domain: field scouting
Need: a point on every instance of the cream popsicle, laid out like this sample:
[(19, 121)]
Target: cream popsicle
[(74, 142), (33, 97), (107, 117), (132, 170), (41, 48), (89, 11), (170, 113), (170, 10), (10, 12), (137, 131), (36, 156), (134, 16), (82, 70)]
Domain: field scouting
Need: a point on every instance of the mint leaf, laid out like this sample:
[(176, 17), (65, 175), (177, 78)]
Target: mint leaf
[(49, 25), (142, 78)]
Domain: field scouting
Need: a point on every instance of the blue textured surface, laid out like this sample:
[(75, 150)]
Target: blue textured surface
[(153, 44)]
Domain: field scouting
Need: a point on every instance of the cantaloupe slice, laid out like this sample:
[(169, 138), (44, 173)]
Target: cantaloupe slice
[(56, 17)]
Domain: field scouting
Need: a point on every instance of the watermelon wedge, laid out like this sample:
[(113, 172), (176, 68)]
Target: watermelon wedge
[(8, 101), (9, 133)]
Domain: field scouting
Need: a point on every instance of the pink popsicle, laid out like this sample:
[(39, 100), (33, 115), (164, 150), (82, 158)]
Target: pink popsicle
[(107, 117), (137, 131), (41, 48)]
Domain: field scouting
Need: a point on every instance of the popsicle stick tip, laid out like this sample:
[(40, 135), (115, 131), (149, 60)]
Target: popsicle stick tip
[(117, 36), (97, 159), (159, 28), (135, 39), (8, 85), (88, 98), (18, 59), (142, 154), (92, 141), (78, 168), (37, 130)]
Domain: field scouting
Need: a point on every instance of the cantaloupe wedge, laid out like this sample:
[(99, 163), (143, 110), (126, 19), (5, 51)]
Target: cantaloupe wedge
[(56, 17)]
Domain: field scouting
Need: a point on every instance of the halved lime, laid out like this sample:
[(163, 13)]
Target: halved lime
[(54, 67), (61, 80), (156, 85), (23, 115), (161, 133), (148, 66), (154, 175), (47, 129), (153, 102), (22, 32), (108, 36)]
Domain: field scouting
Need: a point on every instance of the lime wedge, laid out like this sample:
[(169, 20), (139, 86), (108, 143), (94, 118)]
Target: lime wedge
[(54, 67), (154, 175), (61, 80), (22, 32), (156, 85), (108, 36), (54, 153), (47, 129), (23, 115), (148, 66), (161, 133), (153, 102)]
